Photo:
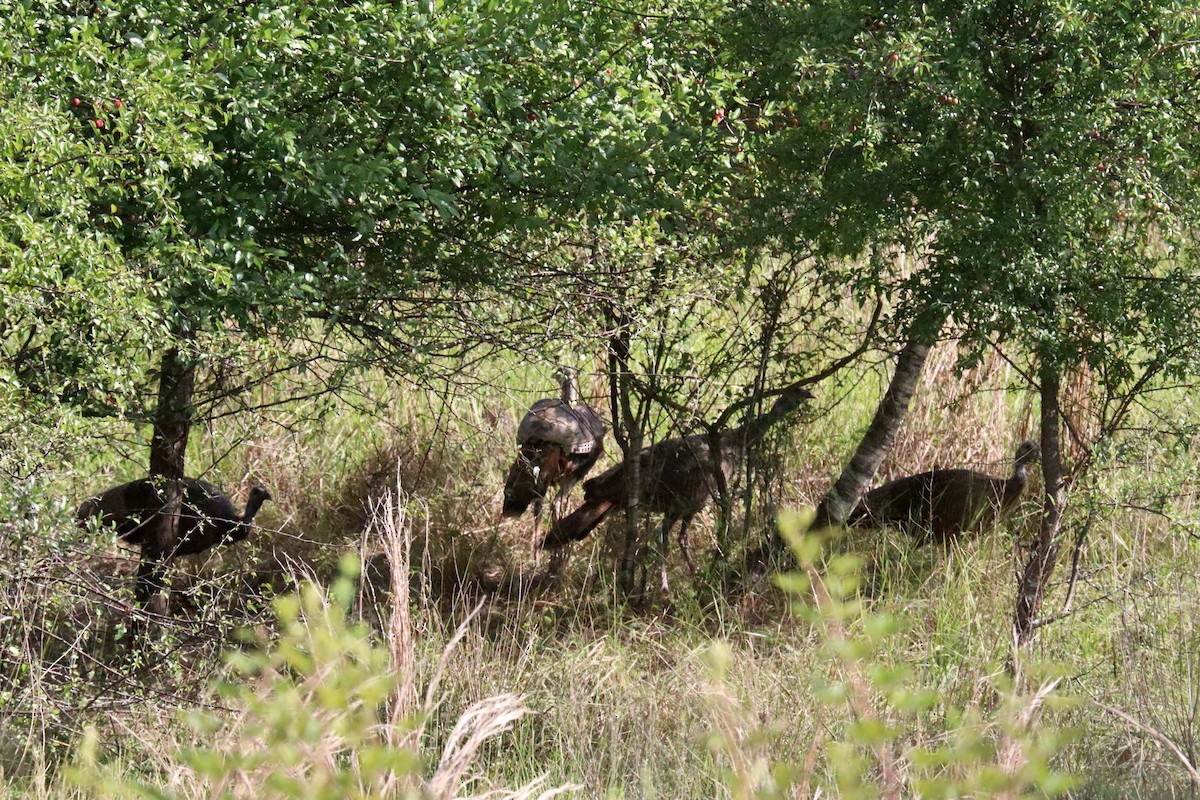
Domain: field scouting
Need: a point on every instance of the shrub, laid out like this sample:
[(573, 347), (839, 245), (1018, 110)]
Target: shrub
[(326, 710)]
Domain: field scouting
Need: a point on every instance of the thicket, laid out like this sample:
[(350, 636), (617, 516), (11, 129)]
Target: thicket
[(335, 248)]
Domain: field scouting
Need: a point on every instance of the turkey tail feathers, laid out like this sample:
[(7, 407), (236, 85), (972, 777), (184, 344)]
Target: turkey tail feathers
[(578, 524)]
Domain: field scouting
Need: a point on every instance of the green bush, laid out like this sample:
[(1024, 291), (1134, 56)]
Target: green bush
[(327, 710), (873, 738)]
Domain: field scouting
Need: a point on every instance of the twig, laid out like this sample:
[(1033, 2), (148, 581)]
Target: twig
[(1155, 734), (1075, 555)]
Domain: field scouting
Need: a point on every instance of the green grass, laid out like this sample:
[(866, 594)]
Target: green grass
[(625, 700)]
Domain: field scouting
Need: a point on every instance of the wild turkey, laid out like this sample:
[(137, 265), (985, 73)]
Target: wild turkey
[(207, 518), (676, 475), (559, 441), (941, 504)]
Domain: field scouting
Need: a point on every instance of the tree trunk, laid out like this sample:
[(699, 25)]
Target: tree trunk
[(628, 433), (168, 450), (631, 555), (1043, 557), (877, 441), (719, 490)]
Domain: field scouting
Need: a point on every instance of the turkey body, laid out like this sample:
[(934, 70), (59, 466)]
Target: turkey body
[(942, 504), (676, 478), (207, 518), (559, 441)]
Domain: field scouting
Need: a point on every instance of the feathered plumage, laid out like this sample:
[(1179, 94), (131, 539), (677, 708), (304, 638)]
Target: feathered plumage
[(207, 517), (676, 477), (559, 440), (943, 503)]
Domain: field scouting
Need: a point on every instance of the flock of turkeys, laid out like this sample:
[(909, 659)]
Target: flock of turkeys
[(559, 441)]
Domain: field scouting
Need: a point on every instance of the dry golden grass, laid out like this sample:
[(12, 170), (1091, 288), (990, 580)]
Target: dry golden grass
[(624, 701)]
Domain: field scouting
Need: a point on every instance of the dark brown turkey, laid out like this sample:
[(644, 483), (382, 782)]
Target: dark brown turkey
[(559, 440), (207, 518), (940, 504), (677, 477)]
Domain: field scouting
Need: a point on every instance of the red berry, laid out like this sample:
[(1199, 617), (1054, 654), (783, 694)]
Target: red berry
[(576, 83), (99, 123), (117, 103), (895, 57), (532, 116), (75, 101)]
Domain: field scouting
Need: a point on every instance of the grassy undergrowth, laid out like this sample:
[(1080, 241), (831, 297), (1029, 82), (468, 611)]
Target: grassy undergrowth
[(622, 704), (698, 692)]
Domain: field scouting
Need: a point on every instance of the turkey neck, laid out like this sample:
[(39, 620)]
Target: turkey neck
[(1016, 484), (252, 506), (570, 392), (756, 428)]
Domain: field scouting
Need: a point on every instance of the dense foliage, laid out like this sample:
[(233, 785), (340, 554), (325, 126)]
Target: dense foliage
[(307, 179), (217, 211)]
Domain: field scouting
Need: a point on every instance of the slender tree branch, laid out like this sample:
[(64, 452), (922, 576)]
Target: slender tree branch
[(1155, 734)]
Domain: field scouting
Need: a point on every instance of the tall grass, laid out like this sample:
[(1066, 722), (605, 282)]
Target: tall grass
[(327, 710), (440, 705), (628, 702)]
